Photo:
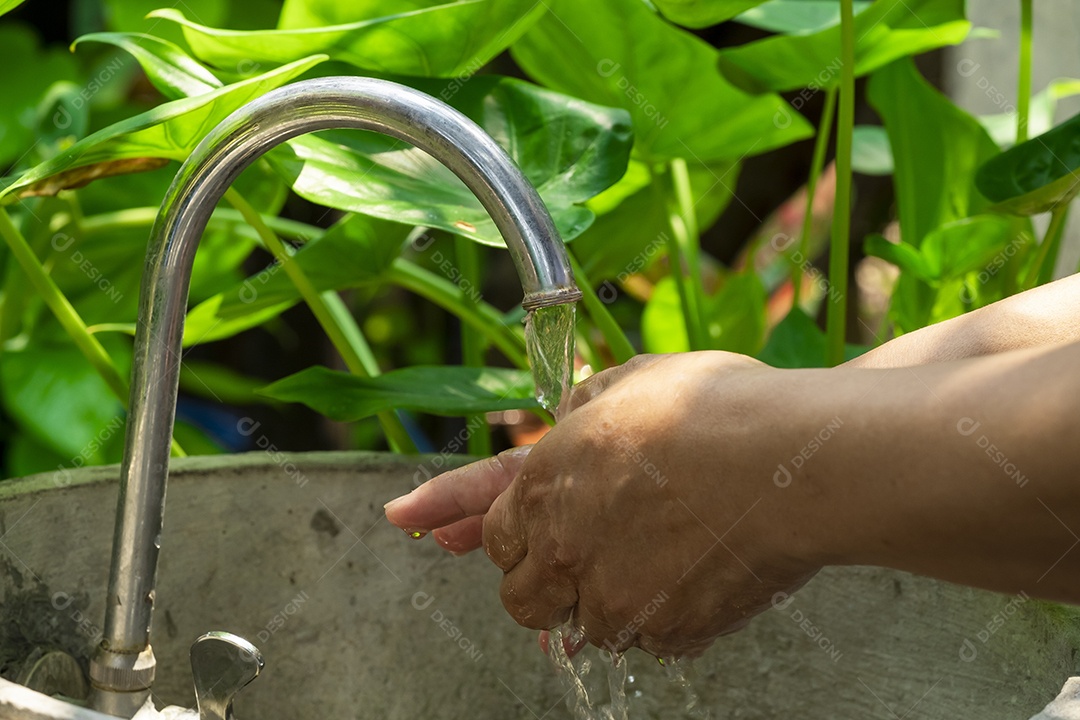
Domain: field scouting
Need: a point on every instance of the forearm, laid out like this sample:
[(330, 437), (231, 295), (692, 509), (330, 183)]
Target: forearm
[(965, 471), (1047, 315)]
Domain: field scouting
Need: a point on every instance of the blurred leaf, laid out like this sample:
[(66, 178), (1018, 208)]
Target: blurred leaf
[(966, 245), (1035, 176), (871, 153), (570, 151), (665, 77), (797, 342), (903, 255), (168, 131), (172, 71), (55, 395), (219, 383), (884, 32), (407, 37), (628, 238), (703, 13), (353, 252), (131, 15), (451, 391), (1002, 126), (29, 72), (936, 148), (797, 17), (735, 316)]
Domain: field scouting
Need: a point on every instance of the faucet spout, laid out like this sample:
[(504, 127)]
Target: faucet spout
[(122, 670)]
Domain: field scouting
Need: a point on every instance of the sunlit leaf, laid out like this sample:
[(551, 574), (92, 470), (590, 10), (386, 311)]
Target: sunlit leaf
[(623, 54), (451, 391), (703, 13), (406, 38), (172, 71), (570, 150), (884, 32), (936, 149)]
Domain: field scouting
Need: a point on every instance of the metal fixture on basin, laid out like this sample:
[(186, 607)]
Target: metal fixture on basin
[(122, 670)]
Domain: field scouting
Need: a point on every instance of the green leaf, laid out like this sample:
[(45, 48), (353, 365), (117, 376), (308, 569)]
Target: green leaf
[(967, 245), (871, 152), (797, 342), (451, 391), (171, 131), (1037, 175), (886, 31), (903, 255), (406, 38), (629, 237), (1002, 126), (352, 253), (735, 316), (167, 67), (936, 148), (7, 6), (797, 17), (29, 71), (57, 397), (620, 53), (703, 13), (570, 150)]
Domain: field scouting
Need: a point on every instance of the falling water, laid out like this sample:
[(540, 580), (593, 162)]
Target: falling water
[(549, 342)]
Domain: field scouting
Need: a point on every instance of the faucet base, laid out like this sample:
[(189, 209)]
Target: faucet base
[(121, 682)]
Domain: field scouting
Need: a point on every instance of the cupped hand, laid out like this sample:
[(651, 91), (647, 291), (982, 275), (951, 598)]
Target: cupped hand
[(649, 516)]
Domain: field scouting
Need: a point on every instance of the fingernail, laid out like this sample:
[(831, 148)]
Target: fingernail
[(393, 503)]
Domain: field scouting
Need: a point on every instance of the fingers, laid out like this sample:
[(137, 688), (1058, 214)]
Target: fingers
[(458, 494), (537, 598), (463, 536)]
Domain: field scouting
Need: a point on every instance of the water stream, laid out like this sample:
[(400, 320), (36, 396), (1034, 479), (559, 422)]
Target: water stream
[(549, 342)]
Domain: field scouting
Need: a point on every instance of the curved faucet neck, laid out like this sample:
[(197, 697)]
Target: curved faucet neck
[(123, 669)]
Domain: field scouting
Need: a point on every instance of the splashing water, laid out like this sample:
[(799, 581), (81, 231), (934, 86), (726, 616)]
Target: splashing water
[(549, 342)]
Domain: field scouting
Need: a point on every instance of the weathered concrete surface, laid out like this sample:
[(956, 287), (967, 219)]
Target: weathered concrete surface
[(357, 621)]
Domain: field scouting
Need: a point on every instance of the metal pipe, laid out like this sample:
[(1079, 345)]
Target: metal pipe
[(122, 670)]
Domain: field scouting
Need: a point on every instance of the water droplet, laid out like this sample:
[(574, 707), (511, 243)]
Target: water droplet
[(415, 534)]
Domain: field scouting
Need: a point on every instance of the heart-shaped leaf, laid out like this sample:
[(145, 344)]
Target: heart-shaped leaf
[(390, 36), (796, 342), (385, 178), (169, 131), (451, 391), (665, 77), (936, 149), (884, 32), (1035, 176)]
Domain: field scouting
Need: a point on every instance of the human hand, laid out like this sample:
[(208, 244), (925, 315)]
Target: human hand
[(649, 514)]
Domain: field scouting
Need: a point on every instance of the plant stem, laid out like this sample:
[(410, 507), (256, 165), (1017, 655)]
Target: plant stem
[(1042, 270), (675, 264), (450, 297), (689, 241), (817, 165), (621, 347), (473, 346), (1023, 100), (66, 315), (349, 343), (836, 315)]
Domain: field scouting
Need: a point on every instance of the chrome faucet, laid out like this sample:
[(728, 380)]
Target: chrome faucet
[(122, 670)]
